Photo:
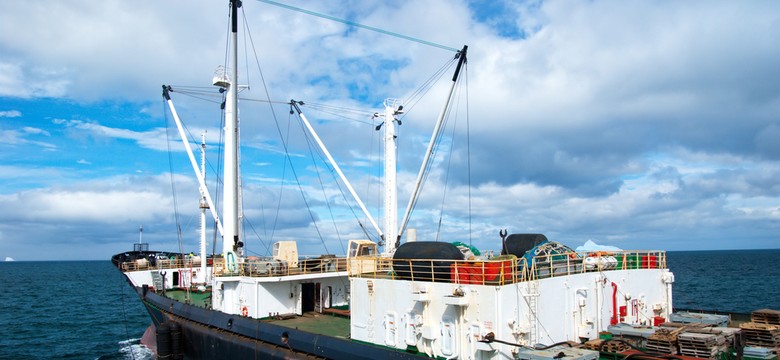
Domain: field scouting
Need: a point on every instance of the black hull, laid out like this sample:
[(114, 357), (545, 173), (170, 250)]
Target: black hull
[(209, 334)]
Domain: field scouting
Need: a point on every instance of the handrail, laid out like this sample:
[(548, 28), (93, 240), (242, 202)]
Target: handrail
[(160, 264), (504, 271), (482, 272), (272, 267)]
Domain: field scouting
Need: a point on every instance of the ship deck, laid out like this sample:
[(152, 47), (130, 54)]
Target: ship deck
[(332, 324), (313, 322)]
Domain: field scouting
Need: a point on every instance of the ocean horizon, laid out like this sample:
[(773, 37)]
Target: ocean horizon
[(84, 309), (495, 250)]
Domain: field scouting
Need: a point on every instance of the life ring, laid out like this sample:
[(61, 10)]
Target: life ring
[(244, 311), (230, 258)]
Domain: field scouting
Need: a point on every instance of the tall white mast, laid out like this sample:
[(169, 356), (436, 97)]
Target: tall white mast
[(391, 192), (204, 205), (230, 214)]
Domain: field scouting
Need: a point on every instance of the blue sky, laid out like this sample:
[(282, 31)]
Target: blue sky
[(648, 125)]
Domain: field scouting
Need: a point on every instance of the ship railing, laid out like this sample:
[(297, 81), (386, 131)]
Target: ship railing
[(275, 267), (505, 269), (159, 264)]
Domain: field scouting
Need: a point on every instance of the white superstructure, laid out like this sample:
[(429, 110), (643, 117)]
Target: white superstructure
[(457, 311)]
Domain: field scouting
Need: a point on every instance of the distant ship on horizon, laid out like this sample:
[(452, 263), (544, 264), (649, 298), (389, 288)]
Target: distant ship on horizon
[(8, 258)]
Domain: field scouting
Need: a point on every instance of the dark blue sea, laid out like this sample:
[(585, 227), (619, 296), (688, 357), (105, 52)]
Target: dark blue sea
[(69, 310), (729, 281), (86, 310)]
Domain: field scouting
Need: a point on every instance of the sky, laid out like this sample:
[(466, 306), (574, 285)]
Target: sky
[(642, 125)]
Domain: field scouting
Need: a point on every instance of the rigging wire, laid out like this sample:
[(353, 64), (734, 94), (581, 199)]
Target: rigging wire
[(337, 111), (449, 165), (377, 149), (218, 169), (285, 145), (324, 194), (284, 176), (322, 186), (204, 96), (245, 24), (468, 150), (306, 202), (173, 189), (434, 151), (219, 183), (287, 153), (192, 139), (173, 182), (446, 180), (340, 111), (336, 180), (437, 143), (414, 98), (338, 183), (352, 23)]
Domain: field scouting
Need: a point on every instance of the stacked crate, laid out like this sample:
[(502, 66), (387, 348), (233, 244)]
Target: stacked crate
[(706, 346), (663, 341), (594, 344), (763, 335), (607, 345), (763, 330), (766, 316)]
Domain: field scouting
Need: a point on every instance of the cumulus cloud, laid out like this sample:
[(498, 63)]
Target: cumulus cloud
[(633, 124)]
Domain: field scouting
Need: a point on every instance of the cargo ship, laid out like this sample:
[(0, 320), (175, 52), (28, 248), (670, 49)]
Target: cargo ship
[(535, 299)]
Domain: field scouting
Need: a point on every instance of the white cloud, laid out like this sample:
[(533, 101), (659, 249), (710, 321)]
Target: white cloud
[(10, 113), (21, 137), (87, 206), (154, 139), (107, 201), (606, 120)]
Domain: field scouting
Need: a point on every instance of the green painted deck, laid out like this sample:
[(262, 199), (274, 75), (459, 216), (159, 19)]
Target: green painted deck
[(313, 322), (317, 323), (199, 299)]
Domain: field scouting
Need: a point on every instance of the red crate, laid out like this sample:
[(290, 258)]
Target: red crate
[(649, 262)]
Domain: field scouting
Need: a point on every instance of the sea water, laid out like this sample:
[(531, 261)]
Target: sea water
[(728, 281), (69, 310), (86, 309)]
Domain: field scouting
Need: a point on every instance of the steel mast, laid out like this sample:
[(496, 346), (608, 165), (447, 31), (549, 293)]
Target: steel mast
[(230, 209), (392, 108), (204, 205)]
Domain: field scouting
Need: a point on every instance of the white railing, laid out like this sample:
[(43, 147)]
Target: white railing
[(271, 267), (504, 269)]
